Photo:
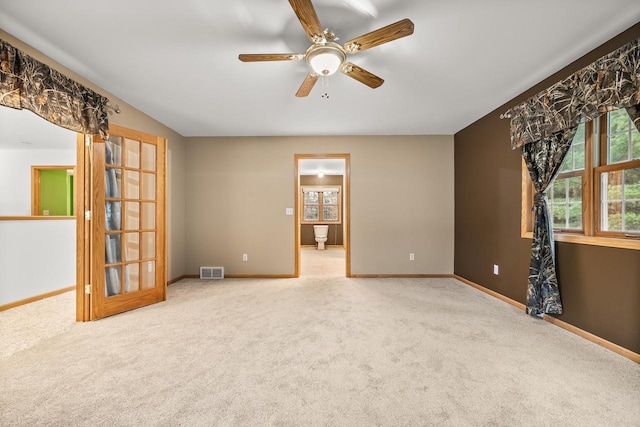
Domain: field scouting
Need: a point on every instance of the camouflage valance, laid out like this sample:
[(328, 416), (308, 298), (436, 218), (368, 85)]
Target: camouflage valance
[(610, 83), (28, 83)]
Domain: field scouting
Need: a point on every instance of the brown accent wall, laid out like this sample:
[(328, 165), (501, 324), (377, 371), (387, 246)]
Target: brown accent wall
[(334, 237), (600, 287)]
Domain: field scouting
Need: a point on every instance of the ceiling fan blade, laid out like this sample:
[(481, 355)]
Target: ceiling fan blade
[(307, 85), (308, 18), (254, 57), (380, 36), (361, 75)]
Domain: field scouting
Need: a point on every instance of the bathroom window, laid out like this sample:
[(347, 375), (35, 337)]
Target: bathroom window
[(321, 205)]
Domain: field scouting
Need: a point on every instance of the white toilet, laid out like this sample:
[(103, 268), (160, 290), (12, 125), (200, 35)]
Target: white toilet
[(320, 233)]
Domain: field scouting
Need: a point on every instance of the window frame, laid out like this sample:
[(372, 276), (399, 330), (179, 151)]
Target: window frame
[(319, 189), (587, 210), (595, 164), (36, 192)]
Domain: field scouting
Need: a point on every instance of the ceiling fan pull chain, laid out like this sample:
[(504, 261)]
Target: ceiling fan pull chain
[(325, 87)]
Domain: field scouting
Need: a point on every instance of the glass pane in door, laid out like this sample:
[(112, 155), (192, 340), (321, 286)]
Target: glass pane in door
[(148, 274), (148, 216), (132, 184), (113, 248), (113, 148), (112, 280), (132, 272), (132, 216), (130, 208), (127, 194), (149, 186), (113, 182), (132, 156), (148, 157), (148, 245), (132, 246), (113, 215)]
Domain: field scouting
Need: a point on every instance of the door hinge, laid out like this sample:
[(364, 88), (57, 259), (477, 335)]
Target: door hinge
[(87, 215), (87, 289)]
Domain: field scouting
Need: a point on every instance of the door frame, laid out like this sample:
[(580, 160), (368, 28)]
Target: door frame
[(346, 208), (83, 203), (83, 231)]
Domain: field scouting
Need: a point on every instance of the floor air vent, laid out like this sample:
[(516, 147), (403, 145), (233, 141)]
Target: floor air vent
[(212, 272)]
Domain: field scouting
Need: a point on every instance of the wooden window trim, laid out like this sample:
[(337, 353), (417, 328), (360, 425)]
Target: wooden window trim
[(597, 187), (591, 179), (320, 205), (35, 188)]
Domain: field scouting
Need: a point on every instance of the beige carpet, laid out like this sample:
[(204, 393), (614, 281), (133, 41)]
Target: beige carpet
[(317, 351)]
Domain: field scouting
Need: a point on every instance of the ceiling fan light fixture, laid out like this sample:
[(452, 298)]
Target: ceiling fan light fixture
[(325, 59)]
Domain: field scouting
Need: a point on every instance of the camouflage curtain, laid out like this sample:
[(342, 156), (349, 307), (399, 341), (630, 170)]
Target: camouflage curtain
[(543, 160), (634, 113), (28, 83), (610, 83), (544, 126)]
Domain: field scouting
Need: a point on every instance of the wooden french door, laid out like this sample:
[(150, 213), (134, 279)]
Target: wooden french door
[(127, 222)]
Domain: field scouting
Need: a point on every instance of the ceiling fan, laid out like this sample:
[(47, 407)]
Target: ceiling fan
[(325, 56)]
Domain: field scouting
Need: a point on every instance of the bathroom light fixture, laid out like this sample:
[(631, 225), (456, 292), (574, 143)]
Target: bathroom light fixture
[(325, 59)]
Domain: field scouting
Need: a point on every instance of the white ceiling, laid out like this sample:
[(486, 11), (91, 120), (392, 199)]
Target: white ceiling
[(178, 62), (24, 130)]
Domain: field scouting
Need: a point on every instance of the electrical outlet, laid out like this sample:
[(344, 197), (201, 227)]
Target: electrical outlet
[(245, 257), (412, 256), (495, 269)]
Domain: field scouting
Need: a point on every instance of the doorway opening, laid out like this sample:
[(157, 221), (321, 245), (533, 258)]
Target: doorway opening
[(322, 215)]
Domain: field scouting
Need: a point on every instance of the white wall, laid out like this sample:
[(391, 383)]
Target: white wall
[(134, 119), (36, 257), (15, 175)]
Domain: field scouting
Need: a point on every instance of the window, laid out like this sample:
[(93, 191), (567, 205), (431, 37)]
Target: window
[(52, 190), (565, 194), (595, 198), (321, 204), (619, 177)]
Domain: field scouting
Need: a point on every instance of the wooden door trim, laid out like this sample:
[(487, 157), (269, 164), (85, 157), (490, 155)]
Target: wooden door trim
[(346, 217), (83, 254), (98, 157), (161, 215)]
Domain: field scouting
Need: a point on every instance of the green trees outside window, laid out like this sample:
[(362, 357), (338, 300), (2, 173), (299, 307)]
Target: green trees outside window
[(597, 190)]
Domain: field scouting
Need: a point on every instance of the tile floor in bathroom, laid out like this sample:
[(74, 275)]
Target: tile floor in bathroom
[(329, 262)]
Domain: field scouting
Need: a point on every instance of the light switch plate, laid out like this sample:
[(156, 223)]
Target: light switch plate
[(288, 211)]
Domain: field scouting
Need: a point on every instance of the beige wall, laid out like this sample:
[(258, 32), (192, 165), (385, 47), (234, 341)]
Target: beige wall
[(134, 119), (237, 190)]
